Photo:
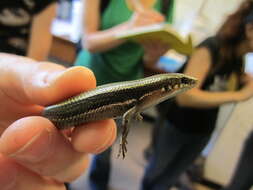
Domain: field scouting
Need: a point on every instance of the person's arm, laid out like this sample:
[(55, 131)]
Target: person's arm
[(98, 41), (41, 37), (199, 65)]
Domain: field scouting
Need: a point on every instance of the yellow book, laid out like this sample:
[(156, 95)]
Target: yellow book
[(160, 32)]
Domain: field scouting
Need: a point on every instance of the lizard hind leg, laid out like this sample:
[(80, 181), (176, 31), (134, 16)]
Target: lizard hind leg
[(127, 118)]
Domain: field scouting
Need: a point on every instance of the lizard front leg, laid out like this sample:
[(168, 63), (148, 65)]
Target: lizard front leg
[(127, 119)]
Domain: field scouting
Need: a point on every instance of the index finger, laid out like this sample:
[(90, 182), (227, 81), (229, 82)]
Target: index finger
[(35, 143)]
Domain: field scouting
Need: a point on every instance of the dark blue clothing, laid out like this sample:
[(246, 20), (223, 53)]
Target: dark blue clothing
[(172, 154), (100, 170)]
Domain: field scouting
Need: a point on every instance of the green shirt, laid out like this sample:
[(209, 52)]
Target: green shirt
[(121, 63)]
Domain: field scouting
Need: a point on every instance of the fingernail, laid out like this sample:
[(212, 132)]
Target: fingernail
[(35, 149), (57, 74)]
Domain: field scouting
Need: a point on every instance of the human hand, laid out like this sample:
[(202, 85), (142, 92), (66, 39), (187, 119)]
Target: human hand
[(153, 50), (246, 91), (140, 4), (33, 153), (145, 17)]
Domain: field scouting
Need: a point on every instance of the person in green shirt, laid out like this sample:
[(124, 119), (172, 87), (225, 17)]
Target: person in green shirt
[(112, 59), (109, 58)]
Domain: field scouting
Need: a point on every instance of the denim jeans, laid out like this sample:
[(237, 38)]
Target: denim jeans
[(174, 152), (100, 171)]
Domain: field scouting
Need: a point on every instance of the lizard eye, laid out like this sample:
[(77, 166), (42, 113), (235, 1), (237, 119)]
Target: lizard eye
[(167, 88), (176, 86), (185, 81)]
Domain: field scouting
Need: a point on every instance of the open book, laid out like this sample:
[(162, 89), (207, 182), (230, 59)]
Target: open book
[(160, 32)]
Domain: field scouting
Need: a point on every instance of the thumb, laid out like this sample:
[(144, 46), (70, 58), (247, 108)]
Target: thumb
[(50, 84)]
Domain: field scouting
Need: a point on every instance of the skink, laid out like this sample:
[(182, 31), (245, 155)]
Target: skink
[(122, 99)]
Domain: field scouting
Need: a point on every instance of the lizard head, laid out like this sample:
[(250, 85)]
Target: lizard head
[(179, 82), (165, 86)]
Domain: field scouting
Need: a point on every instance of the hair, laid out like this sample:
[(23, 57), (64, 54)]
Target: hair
[(232, 32)]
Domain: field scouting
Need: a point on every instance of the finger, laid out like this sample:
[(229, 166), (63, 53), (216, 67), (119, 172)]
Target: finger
[(36, 144), (15, 177), (158, 17), (47, 86), (27, 81), (8, 173), (95, 138)]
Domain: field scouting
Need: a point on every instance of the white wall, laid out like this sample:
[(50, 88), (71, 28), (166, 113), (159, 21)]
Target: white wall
[(205, 15)]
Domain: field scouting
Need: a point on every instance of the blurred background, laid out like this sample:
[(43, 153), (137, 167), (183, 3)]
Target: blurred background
[(200, 18)]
